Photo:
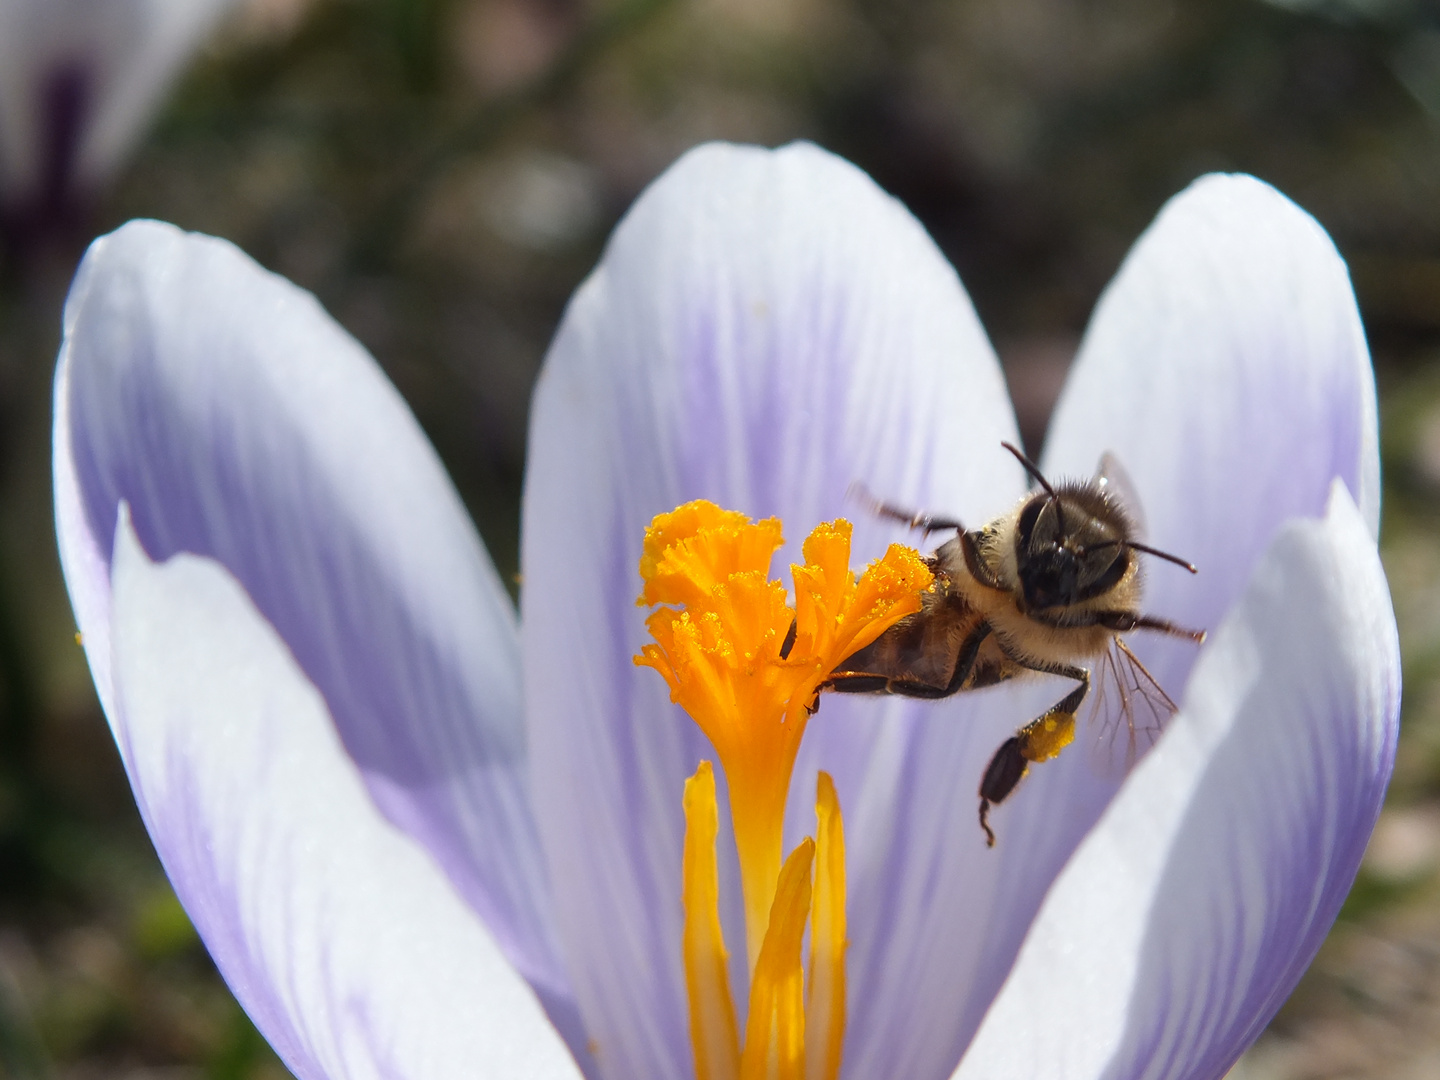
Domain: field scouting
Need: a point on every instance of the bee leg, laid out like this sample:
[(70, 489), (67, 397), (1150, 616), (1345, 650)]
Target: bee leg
[(916, 519), (863, 682), (1006, 769), (1123, 621), (1040, 740), (926, 523), (857, 683), (789, 642)]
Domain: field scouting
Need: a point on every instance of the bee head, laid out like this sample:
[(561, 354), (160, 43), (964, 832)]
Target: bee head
[(1070, 545)]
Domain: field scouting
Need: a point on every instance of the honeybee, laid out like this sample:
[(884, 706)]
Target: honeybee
[(1042, 589)]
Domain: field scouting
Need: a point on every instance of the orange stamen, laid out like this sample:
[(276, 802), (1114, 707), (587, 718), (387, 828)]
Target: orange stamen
[(718, 647)]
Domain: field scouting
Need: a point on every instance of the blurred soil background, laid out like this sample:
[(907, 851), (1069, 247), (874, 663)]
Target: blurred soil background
[(443, 173)]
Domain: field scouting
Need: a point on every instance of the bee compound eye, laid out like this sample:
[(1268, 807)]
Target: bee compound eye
[(1025, 527), (1103, 570)]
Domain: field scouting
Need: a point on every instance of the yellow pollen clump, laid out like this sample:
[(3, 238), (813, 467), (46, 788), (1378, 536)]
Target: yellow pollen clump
[(746, 667), (1043, 739)]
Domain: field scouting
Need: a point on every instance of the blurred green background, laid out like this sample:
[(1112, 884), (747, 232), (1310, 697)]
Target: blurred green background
[(442, 173)]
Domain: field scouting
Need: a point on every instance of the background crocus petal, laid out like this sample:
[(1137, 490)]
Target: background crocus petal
[(764, 330), (79, 79), (240, 422), (342, 938), (1188, 915)]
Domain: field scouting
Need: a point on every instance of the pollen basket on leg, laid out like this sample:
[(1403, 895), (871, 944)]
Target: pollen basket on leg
[(1044, 738)]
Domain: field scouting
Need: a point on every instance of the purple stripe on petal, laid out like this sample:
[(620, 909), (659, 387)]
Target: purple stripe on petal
[(951, 914), (241, 423)]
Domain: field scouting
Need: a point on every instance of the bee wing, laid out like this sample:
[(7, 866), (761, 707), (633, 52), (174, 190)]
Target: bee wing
[(1129, 711), (1114, 480)]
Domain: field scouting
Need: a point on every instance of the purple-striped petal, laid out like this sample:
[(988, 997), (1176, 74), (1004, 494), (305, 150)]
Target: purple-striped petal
[(1226, 366), (1188, 915), (341, 936), (765, 330), (1227, 369), (1226, 360), (241, 423)]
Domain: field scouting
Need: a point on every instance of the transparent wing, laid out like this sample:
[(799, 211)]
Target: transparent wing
[(1114, 481), (1129, 710)]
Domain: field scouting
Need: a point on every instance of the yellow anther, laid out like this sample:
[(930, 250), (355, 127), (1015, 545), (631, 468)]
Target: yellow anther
[(707, 974), (825, 993), (775, 1030)]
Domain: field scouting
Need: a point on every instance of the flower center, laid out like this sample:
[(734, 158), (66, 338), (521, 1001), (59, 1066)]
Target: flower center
[(746, 666)]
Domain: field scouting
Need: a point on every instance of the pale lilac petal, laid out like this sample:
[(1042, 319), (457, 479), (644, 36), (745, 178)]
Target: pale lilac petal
[(85, 563), (1234, 296), (240, 422), (342, 938), (1188, 915), (947, 914), (1226, 366), (765, 329), (82, 77), (1227, 369)]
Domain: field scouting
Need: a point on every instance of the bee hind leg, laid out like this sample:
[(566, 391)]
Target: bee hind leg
[(1006, 769), (1040, 740)]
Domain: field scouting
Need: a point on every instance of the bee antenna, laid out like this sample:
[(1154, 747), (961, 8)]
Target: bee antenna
[(1162, 555), (1031, 468), (1039, 478)]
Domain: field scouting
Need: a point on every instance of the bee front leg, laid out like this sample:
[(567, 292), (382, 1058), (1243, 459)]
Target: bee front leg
[(915, 519), (1040, 740)]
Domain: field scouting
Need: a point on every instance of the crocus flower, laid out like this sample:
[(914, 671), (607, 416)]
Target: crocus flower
[(421, 841), (79, 79)]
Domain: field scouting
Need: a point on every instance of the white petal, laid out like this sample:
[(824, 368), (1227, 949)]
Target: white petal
[(342, 938), (118, 56), (240, 422), (766, 329), (1227, 368), (85, 564), (1190, 912)]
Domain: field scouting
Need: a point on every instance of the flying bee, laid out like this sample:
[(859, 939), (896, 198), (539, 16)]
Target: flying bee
[(1042, 589)]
